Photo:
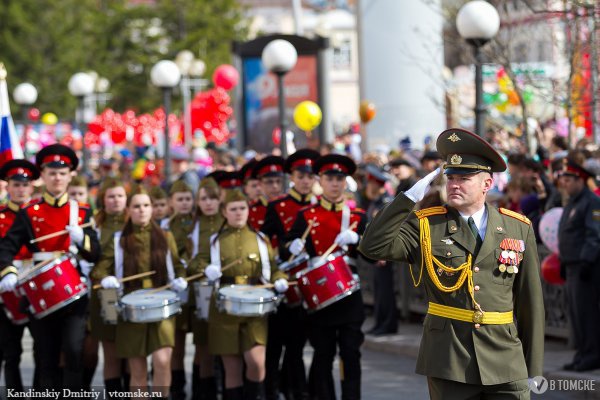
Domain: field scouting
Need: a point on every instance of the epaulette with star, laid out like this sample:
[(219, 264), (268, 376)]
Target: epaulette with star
[(515, 215), (358, 210), (428, 212)]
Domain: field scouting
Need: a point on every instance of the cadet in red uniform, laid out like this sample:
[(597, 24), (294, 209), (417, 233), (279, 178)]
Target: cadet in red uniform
[(269, 171), (19, 174), (226, 180), (287, 326), (337, 325), (252, 188), (63, 329)]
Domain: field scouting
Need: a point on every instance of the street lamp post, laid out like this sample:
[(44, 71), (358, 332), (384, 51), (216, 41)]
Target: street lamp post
[(81, 85), (279, 57), (165, 75), (25, 95), (478, 22), (191, 71)]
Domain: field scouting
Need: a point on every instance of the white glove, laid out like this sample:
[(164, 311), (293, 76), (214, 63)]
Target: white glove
[(420, 189), (346, 237), (110, 282), (76, 234), (213, 272), (281, 285), (8, 283), (296, 246), (179, 284)]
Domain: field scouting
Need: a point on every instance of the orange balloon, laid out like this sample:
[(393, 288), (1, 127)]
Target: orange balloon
[(367, 111), (513, 98)]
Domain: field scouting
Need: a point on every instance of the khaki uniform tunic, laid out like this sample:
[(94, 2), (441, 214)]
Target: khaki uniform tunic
[(230, 334), (98, 329), (140, 339), (181, 226)]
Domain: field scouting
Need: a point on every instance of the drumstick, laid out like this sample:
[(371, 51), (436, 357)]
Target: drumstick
[(304, 236), (129, 278), (267, 286), (35, 267), (333, 246), (51, 235), (196, 276)]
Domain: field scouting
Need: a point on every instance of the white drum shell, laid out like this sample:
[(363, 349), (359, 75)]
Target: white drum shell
[(142, 307), (203, 292), (242, 301)]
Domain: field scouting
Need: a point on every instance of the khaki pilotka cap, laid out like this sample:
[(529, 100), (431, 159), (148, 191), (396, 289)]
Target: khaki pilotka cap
[(467, 153)]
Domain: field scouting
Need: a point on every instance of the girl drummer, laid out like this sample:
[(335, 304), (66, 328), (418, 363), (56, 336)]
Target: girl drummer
[(208, 220), (112, 203), (142, 247), (239, 340)]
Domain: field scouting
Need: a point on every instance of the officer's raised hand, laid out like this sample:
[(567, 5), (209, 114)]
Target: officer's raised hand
[(420, 189)]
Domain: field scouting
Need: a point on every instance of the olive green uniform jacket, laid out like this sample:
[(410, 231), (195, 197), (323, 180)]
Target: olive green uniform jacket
[(140, 339), (98, 329), (462, 351)]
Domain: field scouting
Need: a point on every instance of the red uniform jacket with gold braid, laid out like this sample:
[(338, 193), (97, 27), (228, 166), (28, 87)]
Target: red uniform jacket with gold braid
[(41, 217), (8, 214), (327, 225), (258, 215), (282, 213)]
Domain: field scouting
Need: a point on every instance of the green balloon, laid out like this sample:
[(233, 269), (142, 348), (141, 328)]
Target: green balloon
[(501, 98), (528, 95), (489, 98)]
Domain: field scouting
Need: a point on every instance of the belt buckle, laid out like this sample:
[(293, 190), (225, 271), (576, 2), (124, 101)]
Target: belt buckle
[(478, 316), (241, 280)]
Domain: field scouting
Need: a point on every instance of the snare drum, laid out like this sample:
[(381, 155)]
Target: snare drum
[(245, 301), (11, 301), (52, 286), (203, 292), (143, 306), (293, 296), (326, 282), (109, 299)]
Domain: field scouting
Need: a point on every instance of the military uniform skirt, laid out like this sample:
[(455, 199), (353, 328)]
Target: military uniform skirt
[(142, 339), (98, 329), (183, 320), (233, 335)]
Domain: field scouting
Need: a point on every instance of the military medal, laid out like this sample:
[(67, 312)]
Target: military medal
[(502, 268), (511, 255)]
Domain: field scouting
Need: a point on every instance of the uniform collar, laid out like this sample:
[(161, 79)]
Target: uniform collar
[(480, 218), (56, 201), (329, 206), (300, 198), (140, 228), (13, 206)]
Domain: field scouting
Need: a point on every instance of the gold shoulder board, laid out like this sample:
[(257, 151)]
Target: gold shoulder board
[(427, 212), (515, 215)]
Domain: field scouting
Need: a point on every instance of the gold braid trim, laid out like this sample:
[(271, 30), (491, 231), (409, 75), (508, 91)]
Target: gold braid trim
[(426, 212), (466, 274)]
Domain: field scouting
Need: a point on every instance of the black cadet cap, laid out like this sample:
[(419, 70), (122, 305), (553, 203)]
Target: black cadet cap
[(19, 170), (302, 160), (227, 179), (56, 156), (334, 164), (246, 170), (268, 166), (467, 153)]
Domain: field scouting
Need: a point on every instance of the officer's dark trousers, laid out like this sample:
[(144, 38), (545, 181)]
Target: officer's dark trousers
[(385, 303), (287, 329), (443, 389), (325, 340), (584, 299), (10, 346), (62, 330)]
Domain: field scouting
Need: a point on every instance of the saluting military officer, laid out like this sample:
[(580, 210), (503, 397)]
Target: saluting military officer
[(484, 330)]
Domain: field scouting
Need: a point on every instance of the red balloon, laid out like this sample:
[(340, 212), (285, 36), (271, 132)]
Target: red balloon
[(118, 136), (33, 114), (276, 136), (226, 76), (551, 270)]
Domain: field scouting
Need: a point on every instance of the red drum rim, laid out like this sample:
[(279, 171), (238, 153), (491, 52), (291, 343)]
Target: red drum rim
[(46, 267)]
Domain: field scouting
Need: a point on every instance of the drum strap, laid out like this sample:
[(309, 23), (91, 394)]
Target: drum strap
[(215, 255), (73, 221), (345, 218), (195, 239), (170, 269), (118, 255)]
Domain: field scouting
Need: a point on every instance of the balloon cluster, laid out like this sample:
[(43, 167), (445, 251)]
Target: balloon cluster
[(112, 128), (209, 112), (506, 95)]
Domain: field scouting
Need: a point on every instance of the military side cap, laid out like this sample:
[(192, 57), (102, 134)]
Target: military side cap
[(234, 195), (374, 173), (179, 186), (19, 170), (570, 168), (228, 179), (467, 153), (302, 160), (334, 164), (208, 182), (246, 170), (268, 166), (157, 193), (57, 156)]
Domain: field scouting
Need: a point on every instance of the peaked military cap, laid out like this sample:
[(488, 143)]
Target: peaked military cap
[(227, 179), (334, 164), (467, 153), (56, 156), (19, 170), (268, 166), (302, 160), (246, 170), (374, 173), (569, 167)]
